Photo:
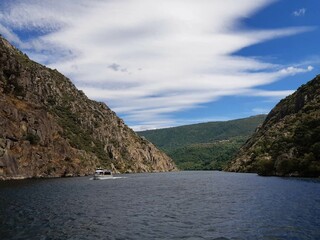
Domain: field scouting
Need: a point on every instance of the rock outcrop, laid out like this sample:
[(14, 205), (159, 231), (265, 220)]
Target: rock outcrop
[(48, 128), (288, 142)]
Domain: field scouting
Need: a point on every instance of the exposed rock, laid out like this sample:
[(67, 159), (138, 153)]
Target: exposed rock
[(288, 142), (48, 128)]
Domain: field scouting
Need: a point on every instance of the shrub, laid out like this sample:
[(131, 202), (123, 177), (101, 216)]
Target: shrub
[(33, 138), (264, 166)]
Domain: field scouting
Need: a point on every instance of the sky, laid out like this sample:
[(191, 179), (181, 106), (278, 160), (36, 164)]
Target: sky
[(167, 63)]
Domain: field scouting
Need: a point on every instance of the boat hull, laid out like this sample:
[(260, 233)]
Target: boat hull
[(101, 174), (102, 177)]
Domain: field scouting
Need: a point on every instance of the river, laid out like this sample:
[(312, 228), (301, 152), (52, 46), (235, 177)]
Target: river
[(180, 205)]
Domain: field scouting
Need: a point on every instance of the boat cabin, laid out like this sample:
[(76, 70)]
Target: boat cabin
[(102, 172)]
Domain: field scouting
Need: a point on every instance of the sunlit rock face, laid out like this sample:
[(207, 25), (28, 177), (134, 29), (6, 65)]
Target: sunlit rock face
[(48, 128)]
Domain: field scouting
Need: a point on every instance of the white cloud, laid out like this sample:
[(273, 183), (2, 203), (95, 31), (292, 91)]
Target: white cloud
[(294, 70), (148, 59), (272, 94), (11, 37), (299, 12)]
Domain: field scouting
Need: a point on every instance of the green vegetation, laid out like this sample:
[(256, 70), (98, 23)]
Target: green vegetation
[(288, 144), (58, 131), (24, 59), (207, 156), (32, 138), (11, 83), (295, 154), (79, 137), (204, 146)]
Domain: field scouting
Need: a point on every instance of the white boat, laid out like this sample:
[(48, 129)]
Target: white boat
[(101, 174)]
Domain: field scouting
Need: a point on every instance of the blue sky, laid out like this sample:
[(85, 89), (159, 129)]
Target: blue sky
[(172, 62)]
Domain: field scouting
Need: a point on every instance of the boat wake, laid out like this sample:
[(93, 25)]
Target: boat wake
[(109, 178)]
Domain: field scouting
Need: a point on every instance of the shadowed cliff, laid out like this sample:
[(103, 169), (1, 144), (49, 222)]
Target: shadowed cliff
[(288, 143)]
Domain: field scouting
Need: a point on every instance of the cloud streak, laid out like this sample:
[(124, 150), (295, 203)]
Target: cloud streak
[(300, 12), (148, 59)]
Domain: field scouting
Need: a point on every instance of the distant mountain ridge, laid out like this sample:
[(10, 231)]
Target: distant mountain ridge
[(204, 146), (288, 142), (48, 128)]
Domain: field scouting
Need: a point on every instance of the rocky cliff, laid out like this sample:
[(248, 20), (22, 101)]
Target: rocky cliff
[(288, 142), (48, 128)]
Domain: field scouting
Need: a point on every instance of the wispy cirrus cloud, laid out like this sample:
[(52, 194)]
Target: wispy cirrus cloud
[(300, 12), (148, 59)]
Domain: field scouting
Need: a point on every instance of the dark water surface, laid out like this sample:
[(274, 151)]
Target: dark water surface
[(183, 205)]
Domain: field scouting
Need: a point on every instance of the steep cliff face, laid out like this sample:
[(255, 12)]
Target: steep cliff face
[(288, 142), (48, 128)]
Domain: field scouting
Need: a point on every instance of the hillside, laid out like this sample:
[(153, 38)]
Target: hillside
[(48, 128), (204, 146), (288, 142)]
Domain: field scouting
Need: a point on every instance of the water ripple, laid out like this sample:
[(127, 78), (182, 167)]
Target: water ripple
[(184, 205)]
